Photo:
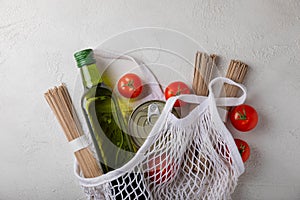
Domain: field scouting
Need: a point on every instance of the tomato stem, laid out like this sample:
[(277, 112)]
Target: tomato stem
[(242, 116), (179, 90), (129, 84), (242, 149)]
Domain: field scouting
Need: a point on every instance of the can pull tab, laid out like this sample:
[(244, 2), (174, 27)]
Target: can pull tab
[(152, 111)]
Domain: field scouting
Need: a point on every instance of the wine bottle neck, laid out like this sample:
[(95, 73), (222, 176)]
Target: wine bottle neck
[(90, 75)]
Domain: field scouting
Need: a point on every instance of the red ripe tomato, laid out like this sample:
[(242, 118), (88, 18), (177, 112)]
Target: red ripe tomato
[(243, 148), (130, 85), (175, 89), (244, 117), (159, 171)]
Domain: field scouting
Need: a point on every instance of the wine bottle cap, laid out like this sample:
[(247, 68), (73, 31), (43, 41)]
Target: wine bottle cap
[(84, 57)]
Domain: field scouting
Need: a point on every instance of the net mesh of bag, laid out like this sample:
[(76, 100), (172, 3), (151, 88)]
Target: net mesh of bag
[(194, 157)]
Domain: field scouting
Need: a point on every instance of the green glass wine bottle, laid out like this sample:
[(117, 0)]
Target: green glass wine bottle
[(103, 115)]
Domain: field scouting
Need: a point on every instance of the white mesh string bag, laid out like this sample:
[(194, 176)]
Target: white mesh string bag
[(194, 157)]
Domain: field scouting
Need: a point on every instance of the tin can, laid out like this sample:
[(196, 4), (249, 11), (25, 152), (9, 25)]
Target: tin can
[(142, 120)]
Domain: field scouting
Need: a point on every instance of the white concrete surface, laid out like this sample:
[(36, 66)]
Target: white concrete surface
[(37, 41)]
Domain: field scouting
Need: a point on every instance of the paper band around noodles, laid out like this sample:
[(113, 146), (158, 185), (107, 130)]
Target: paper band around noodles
[(79, 143)]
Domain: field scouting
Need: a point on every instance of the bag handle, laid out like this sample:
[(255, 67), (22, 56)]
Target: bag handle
[(220, 101), (227, 101)]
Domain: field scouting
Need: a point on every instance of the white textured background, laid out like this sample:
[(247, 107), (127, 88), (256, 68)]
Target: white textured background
[(37, 41)]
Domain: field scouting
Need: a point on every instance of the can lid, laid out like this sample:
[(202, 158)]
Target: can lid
[(84, 57), (142, 120)]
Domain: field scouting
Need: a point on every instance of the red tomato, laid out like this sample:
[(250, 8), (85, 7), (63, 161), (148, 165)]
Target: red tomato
[(159, 171), (243, 148), (130, 85), (244, 117), (175, 89)]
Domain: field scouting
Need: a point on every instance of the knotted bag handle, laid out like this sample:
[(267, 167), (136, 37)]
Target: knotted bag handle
[(213, 102)]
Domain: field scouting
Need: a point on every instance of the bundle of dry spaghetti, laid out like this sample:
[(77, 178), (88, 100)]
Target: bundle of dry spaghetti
[(236, 72), (60, 102), (203, 73)]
